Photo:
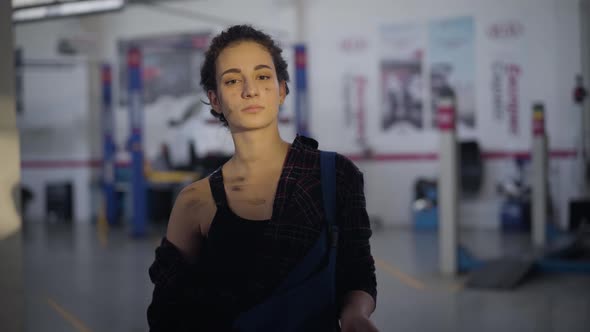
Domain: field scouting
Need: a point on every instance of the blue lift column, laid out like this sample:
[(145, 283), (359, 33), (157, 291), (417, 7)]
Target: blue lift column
[(301, 97), (109, 147), (135, 104)]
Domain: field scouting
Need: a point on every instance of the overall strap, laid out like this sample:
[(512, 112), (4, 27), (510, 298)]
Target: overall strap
[(325, 246), (328, 177)]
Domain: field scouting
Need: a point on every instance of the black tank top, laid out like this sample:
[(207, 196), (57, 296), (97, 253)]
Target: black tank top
[(229, 254)]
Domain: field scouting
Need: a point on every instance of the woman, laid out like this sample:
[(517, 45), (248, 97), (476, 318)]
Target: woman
[(234, 236)]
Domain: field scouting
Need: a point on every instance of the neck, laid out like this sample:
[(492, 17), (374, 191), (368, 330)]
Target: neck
[(258, 150)]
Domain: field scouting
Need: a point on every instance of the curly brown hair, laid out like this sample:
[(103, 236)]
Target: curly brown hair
[(231, 35)]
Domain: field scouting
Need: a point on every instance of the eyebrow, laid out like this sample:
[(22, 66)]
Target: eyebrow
[(237, 71)]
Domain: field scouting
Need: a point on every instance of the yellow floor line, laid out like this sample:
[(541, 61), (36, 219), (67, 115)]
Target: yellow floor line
[(103, 236), (75, 322), (103, 228), (458, 286), (406, 279)]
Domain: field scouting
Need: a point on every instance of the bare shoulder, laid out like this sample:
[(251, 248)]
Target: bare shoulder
[(193, 210), (193, 204), (196, 192)]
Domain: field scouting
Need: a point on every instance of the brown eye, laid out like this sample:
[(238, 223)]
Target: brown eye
[(231, 82)]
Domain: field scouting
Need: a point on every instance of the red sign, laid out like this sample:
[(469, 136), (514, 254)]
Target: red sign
[(353, 44), (505, 30), (300, 60), (133, 58), (200, 41), (446, 114), (106, 75), (361, 82), (513, 72)]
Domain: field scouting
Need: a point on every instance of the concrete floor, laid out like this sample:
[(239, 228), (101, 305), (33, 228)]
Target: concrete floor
[(78, 278)]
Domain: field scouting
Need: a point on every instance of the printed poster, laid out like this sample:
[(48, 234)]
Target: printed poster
[(452, 65), (401, 70)]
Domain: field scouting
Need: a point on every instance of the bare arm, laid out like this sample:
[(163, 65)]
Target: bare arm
[(174, 272), (184, 230)]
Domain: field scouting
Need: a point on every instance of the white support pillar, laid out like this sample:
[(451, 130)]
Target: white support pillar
[(448, 186), (301, 21), (539, 183)]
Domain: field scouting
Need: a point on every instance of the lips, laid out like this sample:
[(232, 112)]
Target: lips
[(252, 109)]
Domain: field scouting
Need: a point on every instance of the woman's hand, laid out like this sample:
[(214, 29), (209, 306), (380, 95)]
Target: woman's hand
[(356, 311), (357, 323)]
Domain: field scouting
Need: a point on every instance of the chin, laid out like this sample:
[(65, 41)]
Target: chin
[(254, 124)]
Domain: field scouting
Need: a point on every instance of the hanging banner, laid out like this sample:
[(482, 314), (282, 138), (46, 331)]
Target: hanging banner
[(401, 68), (452, 66), (506, 50), (352, 130), (354, 96), (506, 77)]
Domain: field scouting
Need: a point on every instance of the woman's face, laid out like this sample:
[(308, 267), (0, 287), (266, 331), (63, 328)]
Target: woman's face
[(248, 91)]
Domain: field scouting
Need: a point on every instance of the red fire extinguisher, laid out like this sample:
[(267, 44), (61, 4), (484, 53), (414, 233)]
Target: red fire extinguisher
[(580, 91)]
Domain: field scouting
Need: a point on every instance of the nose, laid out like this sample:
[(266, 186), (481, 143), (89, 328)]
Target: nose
[(250, 88)]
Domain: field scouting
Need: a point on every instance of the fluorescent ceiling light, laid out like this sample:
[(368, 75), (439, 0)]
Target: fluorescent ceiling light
[(16, 4), (29, 14), (69, 8)]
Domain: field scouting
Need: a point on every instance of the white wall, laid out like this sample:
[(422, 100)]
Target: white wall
[(39, 39), (59, 131), (63, 107), (548, 50)]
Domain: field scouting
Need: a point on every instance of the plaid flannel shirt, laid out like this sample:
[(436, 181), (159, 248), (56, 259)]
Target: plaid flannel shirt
[(295, 225)]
